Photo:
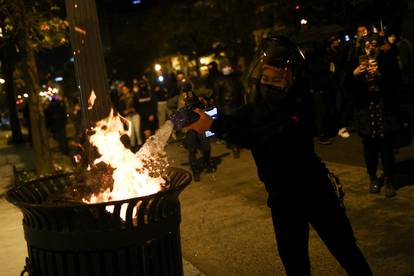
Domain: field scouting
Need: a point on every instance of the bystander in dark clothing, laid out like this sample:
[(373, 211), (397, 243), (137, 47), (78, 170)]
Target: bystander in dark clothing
[(213, 74), (326, 67), (147, 108), (228, 95), (376, 100), (56, 119), (277, 128), (195, 142), (26, 116), (161, 95), (76, 117)]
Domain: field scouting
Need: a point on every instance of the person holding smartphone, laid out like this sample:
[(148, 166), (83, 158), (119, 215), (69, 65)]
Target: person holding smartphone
[(376, 103), (277, 128), (195, 142)]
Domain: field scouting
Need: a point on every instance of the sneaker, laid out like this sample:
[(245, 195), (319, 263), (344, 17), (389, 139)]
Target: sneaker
[(344, 133), (236, 153)]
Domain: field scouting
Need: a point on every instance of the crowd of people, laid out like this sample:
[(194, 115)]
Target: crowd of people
[(338, 89), (357, 88), (150, 103), (354, 86)]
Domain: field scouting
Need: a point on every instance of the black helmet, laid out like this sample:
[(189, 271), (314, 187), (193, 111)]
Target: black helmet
[(277, 51)]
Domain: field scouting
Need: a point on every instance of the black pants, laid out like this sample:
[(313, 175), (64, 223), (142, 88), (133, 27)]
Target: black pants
[(325, 112), (292, 213), (195, 141), (59, 133), (376, 147)]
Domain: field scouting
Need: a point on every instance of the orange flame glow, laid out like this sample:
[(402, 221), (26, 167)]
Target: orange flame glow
[(131, 177)]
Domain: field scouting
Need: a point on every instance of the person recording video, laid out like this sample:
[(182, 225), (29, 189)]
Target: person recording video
[(195, 142), (277, 128), (376, 101)]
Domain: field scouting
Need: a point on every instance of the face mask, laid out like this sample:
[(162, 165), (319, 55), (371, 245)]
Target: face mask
[(226, 71), (272, 96)]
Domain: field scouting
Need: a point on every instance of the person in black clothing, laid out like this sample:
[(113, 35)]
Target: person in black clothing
[(56, 119), (213, 74), (228, 95), (161, 95), (195, 142), (376, 101), (146, 107), (276, 127)]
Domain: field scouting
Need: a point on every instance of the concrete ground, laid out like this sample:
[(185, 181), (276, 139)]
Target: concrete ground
[(226, 227), (13, 246)]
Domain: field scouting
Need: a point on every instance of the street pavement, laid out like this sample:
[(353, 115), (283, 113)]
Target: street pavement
[(226, 227)]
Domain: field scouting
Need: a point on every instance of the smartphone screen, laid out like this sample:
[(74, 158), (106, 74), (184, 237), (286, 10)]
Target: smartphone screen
[(212, 112)]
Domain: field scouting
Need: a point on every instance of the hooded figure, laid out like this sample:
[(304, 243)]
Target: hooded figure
[(276, 127)]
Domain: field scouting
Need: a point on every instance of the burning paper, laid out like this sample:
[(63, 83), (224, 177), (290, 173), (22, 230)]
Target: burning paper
[(134, 174)]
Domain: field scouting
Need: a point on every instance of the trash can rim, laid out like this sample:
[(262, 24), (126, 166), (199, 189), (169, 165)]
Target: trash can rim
[(10, 198)]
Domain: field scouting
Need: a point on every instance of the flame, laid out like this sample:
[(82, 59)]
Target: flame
[(91, 100), (131, 175)]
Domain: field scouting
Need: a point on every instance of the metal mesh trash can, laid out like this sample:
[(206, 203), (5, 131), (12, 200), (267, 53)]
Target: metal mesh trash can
[(72, 239)]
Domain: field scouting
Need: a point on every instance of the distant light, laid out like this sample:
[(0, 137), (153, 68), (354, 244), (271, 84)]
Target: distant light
[(303, 21), (136, 2), (297, 7), (19, 96), (57, 79), (157, 67), (72, 59), (2, 81), (160, 78), (1, 32), (347, 38), (26, 95)]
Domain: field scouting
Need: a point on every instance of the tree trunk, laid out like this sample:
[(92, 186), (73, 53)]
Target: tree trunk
[(40, 138), (8, 66)]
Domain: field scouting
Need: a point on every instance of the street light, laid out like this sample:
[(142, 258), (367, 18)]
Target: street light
[(157, 67), (2, 81), (303, 21)]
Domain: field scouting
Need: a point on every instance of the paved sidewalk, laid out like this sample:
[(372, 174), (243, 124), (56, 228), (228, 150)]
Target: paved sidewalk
[(12, 243), (227, 230), (226, 227)]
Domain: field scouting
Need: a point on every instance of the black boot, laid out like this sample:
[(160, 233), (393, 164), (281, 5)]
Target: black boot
[(389, 187), (236, 152), (373, 184), (196, 176), (209, 166)]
